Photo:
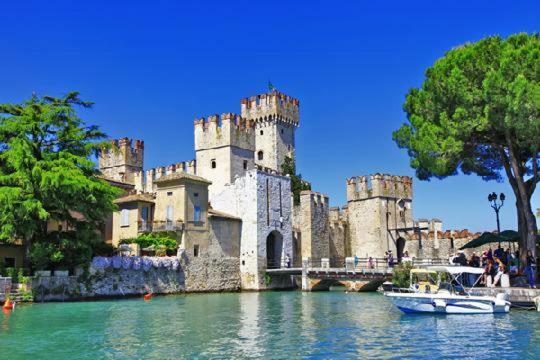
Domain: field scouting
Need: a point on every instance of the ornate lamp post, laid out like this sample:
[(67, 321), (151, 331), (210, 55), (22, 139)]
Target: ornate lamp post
[(497, 205)]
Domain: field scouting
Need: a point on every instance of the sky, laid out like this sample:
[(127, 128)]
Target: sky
[(152, 67)]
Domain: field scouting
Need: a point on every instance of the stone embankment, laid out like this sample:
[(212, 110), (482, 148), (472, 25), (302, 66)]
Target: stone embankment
[(133, 276)]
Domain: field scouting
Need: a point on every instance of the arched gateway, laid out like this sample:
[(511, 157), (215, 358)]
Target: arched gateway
[(274, 249)]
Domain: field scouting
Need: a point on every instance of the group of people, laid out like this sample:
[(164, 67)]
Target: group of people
[(497, 263)]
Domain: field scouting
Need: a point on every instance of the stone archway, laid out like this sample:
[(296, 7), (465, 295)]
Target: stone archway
[(400, 246), (274, 249)]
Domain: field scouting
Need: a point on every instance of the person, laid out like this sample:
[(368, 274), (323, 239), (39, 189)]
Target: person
[(498, 252), (488, 273), (489, 254), (506, 257), (461, 259), (513, 264), (530, 269), (287, 261), (356, 260), (475, 260), (390, 258), (500, 271), (370, 263)]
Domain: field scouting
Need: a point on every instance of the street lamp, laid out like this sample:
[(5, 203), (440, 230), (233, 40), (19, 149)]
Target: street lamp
[(496, 205)]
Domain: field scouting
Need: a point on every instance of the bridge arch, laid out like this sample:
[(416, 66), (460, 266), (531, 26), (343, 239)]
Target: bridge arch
[(274, 249)]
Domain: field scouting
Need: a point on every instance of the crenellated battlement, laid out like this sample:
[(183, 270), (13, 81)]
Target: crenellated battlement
[(379, 185), (227, 129), (144, 180), (316, 198), (122, 159), (273, 106)]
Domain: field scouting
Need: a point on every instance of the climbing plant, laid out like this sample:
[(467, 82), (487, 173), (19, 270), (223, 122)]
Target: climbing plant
[(297, 184)]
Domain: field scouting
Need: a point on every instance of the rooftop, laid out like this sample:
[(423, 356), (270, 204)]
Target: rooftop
[(135, 198), (182, 176), (221, 214)]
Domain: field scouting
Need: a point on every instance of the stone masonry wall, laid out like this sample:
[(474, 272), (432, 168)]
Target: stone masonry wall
[(204, 274)]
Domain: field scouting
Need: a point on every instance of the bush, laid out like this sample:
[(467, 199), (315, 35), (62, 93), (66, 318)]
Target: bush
[(401, 275), (162, 241)]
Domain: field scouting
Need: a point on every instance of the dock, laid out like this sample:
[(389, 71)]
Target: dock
[(520, 297)]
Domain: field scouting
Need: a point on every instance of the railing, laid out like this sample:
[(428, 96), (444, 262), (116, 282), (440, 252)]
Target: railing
[(144, 226), (355, 264), (168, 226)]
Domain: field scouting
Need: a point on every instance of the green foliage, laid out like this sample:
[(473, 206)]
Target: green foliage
[(297, 184), (64, 250), (47, 174), (401, 274), (478, 112), (13, 273), (162, 241)]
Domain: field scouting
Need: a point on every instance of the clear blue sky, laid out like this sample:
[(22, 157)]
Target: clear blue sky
[(151, 67)]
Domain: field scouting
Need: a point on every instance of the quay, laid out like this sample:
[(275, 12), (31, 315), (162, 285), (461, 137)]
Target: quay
[(518, 296)]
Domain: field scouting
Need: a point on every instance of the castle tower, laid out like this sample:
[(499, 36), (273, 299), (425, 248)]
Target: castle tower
[(276, 117), (377, 206), (224, 147), (123, 160)]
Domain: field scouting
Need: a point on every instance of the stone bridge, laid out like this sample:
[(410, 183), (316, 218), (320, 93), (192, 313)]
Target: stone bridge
[(321, 274)]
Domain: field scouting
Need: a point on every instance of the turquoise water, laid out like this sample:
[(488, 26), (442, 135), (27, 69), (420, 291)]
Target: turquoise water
[(269, 325)]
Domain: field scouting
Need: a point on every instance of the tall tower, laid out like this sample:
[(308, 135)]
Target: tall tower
[(224, 149), (276, 117), (379, 208), (123, 161)]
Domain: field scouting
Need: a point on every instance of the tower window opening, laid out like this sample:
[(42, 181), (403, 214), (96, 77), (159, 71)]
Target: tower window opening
[(282, 131), (261, 132), (260, 155), (245, 164), (213, 163)]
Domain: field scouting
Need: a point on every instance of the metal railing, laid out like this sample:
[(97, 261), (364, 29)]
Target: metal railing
[(167, 226), (353, 264), (144, 226)]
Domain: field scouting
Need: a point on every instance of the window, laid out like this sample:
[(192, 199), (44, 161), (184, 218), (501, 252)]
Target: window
[(144, 213), (125, 217), (195, 250), (213, 163), (9, 262), (169, 193), (195, 194), (262, 132), (282, 131), (196, 213), (260, 155), (245, 164), (169, 212)]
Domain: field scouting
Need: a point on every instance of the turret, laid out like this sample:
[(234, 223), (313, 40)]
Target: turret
[(123, 160), (276, 117)]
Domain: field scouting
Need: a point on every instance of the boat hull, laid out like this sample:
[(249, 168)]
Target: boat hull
[(452, 304)]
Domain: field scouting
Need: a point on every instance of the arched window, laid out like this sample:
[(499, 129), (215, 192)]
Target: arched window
[(260, 155), (213, 163), (262, 132)]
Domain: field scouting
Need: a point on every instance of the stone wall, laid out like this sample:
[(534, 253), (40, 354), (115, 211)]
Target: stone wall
[(314, 225), (263, 201), (203, 274)]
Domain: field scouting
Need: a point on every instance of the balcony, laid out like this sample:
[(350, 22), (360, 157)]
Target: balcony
[(144, 226), (167, 226)]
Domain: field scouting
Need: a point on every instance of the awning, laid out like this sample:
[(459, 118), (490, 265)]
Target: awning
[(456, 270), (489, 238)]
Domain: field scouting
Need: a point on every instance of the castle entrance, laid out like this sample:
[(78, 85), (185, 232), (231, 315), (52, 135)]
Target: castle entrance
[(400, 245), (274, 249)]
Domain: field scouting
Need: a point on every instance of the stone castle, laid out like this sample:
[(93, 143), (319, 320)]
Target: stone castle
[(232, 203)]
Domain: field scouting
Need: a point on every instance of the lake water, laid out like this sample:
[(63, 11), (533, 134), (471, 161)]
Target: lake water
[(269, 325)]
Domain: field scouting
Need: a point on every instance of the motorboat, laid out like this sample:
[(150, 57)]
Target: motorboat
[(440, 289)]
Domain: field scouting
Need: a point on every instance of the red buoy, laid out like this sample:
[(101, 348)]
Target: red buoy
[(8, 305), (148, 297)]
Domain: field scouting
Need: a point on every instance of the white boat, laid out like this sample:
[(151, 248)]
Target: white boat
[(430, 294)]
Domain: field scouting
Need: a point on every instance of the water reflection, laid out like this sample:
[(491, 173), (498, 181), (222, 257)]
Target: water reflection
[(261, 325)]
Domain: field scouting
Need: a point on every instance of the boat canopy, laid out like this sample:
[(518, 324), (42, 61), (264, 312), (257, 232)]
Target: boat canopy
[(455, 270), (423, 271)]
